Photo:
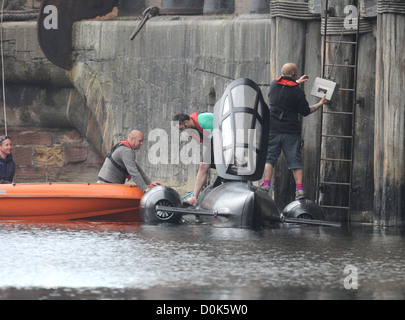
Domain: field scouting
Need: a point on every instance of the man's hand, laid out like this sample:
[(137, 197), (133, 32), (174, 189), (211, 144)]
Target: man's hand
[(323, 100), (303, 79), (153, 184), (319, 104)]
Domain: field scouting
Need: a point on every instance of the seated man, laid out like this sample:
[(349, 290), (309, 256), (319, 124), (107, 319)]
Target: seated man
[(120, 164)]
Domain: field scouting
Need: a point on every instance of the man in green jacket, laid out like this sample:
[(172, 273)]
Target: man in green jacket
[(203, 123)]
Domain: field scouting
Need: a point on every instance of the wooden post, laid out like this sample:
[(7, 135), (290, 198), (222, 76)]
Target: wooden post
[(389, 136), (285, 48), (362, 204)]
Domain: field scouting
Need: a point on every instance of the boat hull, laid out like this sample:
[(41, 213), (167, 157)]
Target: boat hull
[(69, 201)]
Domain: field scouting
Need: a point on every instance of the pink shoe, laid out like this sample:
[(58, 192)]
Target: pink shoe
[(265, 187), (190, 200)]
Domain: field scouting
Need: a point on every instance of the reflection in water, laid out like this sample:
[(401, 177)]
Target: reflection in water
[(85, 260)]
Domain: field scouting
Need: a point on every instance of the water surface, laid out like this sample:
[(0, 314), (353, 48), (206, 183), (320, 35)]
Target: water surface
[(87, 260)]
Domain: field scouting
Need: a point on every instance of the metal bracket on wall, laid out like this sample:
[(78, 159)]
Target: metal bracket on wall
[(155, 11), (147, 14)]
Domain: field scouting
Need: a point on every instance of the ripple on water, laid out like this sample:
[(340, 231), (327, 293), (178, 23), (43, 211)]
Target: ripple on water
[(124, 257)]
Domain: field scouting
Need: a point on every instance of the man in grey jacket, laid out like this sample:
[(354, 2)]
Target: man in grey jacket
[(120, 164)]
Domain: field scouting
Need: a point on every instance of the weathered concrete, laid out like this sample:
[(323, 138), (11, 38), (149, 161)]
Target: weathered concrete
[(363, 166), (142, 84), (26, 64)]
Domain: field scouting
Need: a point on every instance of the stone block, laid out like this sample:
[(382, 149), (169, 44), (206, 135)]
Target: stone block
[(22, 155), (93, 158), (29, 138), (48, 156), (29, 174), (70, 138), (73, 173), (73, 155)]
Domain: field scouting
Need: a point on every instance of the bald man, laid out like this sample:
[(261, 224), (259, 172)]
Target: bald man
[(287, 101), (120, 164)]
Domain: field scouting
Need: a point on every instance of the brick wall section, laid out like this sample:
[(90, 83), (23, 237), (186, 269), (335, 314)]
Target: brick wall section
[(53, 155)]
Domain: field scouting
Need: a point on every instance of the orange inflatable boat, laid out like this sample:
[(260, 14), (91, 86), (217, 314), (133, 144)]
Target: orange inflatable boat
[(69, 201)]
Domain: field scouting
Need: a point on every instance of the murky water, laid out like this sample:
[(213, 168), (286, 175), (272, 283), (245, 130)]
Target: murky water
[(86, 260)]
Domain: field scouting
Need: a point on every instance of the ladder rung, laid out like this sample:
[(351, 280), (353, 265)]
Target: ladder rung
[(336, 183), (345, 42), (338, 112), (341, 65), (339, 160), (336, 136), (335, 207)]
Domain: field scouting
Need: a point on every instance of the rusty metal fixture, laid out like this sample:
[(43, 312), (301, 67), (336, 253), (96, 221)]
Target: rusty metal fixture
[(174, 7), (147, 14), (55, 21)]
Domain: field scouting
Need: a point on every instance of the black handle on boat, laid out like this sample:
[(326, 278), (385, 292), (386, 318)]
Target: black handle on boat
[(310, 222), (223, 213)]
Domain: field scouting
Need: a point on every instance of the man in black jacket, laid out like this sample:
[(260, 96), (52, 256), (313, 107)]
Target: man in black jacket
[(287, 101), (7, 164)]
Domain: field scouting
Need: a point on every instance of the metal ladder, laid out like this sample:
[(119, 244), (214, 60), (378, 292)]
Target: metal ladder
[(323, 157)]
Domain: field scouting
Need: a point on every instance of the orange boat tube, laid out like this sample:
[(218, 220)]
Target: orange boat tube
[(69, 201)]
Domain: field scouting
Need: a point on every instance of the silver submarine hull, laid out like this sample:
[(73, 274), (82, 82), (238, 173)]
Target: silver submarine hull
[(232, 204), (247, 206)]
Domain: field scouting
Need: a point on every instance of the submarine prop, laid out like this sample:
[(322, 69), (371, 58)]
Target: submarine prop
[(240, 140)]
